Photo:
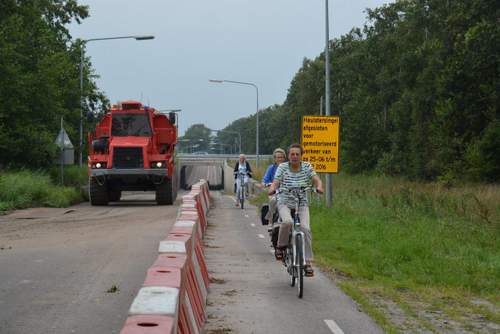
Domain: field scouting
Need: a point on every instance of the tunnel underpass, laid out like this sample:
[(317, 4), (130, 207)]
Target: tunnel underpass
[(191, 174)]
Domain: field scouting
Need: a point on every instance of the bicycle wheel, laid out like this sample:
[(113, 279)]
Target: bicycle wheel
[(290, 267), (299, 269), (242, 197)]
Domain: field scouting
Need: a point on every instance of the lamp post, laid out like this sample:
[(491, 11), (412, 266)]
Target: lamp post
[(328, 112), (257, 114), (192, 143), (235, 132), (221, 145), (85, 41)]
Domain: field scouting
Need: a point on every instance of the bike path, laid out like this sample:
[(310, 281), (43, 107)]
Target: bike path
[(250, 291)]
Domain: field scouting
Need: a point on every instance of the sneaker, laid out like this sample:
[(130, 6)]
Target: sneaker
[(237, 204), (308, 270), (278, 253)]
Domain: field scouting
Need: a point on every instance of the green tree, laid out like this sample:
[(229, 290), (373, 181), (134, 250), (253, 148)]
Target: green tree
[(39, 79), (196, 138)]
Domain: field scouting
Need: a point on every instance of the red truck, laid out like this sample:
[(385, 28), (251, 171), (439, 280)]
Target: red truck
[(133, 148)]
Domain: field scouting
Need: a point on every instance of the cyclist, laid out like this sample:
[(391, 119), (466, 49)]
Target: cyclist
[(242, 166), (295, 173), (279, 156)]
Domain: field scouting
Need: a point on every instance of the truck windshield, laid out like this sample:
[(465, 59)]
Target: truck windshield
[(130, 125)]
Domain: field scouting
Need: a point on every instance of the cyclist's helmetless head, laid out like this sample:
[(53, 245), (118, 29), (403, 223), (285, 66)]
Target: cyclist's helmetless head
[(295, 154), (242, 158), (279, 155)]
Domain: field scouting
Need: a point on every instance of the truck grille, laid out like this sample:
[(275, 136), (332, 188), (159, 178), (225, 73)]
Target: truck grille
[(127, 157)]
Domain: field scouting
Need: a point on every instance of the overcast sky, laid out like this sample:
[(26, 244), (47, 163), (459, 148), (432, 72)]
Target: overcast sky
[(258, 41)]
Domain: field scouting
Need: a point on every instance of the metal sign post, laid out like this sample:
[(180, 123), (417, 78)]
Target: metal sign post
[(62, 153), (329, 185)]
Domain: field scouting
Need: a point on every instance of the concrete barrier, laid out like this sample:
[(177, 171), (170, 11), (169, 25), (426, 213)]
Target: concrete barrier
[(174, 293), (149, 324)]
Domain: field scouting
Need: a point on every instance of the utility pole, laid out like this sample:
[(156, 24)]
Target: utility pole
[(62, 151), (328, 111)]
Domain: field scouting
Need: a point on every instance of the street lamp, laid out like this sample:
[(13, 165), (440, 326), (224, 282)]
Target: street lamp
[(85, 41), (221, 145), (235, 132), (257, 114), (328, 185), (190, 141)]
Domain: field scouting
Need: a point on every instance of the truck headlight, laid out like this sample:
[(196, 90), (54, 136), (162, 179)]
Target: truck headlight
[(157, 164), (99, 165)]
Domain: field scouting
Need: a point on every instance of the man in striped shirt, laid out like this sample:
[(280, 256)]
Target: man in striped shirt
[(295, 173)]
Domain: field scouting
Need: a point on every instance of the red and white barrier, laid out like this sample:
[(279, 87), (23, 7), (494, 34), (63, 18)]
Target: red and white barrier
[(174, 293)]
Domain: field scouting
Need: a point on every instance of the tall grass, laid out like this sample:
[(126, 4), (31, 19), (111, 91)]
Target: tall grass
[(74, 176), (25, 189), (408, 234)]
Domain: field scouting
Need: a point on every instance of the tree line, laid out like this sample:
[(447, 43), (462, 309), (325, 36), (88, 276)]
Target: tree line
[(416, 88), (39, 80)]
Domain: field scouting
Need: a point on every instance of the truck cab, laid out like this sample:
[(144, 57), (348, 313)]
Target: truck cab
[(132, 148)]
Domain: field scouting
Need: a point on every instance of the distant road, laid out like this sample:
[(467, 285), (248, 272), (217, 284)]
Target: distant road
[(56, 265)]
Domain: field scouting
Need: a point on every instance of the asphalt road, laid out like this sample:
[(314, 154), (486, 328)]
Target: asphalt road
[(250, 291), (59, 267)]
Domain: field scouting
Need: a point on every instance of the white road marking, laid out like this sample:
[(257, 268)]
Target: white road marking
[(261, 236), (334, 327), (253, 225), (246, 216)]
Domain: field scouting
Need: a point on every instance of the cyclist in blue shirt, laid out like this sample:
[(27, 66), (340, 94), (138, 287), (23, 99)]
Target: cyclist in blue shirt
[(279, 156)]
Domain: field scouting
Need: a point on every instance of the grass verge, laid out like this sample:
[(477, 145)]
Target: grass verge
[(24, 189), (415, 256)]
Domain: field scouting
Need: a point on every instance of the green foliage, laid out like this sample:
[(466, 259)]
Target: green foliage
[(30, 189), (39, 79), (74, 176), (416, 89), (484, 154), (406, 234), (196, 138)]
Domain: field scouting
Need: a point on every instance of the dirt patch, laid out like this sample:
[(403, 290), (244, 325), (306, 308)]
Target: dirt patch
[(230, 293), (210, 246), (215, 280), (411, 313), (222, 330), (429, 311)]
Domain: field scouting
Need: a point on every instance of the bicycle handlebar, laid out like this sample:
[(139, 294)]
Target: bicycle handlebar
[(294, 190)]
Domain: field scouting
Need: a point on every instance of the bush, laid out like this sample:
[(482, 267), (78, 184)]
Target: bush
[(29, 189), (484, 155), (73, 176)]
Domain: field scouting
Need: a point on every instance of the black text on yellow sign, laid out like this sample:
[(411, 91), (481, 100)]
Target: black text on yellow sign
[(320, 140)]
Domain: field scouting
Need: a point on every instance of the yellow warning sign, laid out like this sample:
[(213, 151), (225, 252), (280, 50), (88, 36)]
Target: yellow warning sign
[(320, 140)]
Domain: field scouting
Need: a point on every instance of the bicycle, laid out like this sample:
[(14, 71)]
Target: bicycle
[(241, 189), (293, 257)]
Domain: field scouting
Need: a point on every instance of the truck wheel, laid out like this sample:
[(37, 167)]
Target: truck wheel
[(114, 196), (164, 193), (98, 193)]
